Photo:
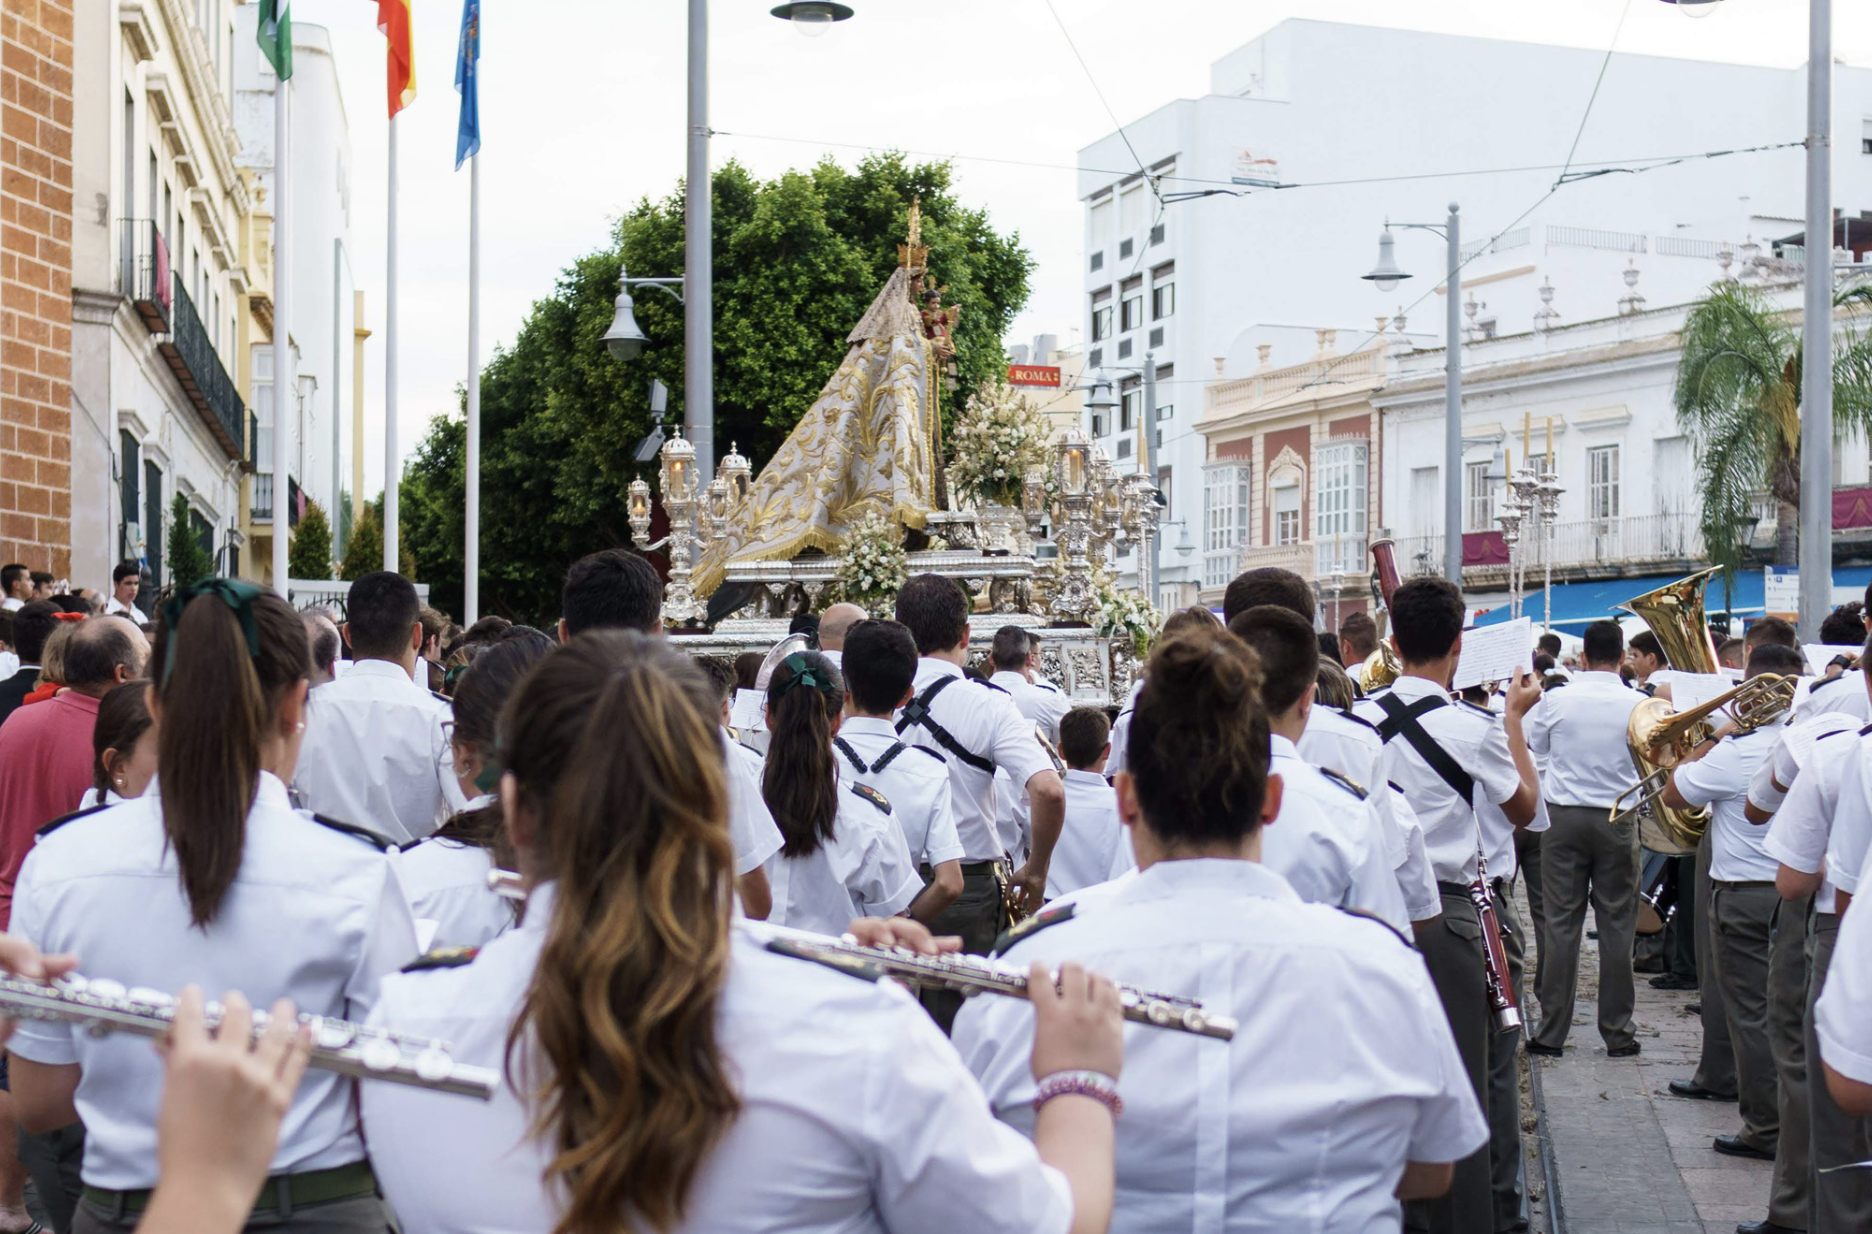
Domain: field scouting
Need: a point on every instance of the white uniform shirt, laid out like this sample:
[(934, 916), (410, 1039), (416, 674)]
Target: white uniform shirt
[(1797, 835), (445, 882), (1577, 736), (915, 782), (1327, 842), (1092, 846), (1720, 780), (1478, 742), (12, 605), (856, 1115), (1776, 775), (92, 798), (1845, 694), (114, 607), (1843, 1016), (1851, 840), (750, 822), (987, 724), (1340, 742), (314, 915), (375, 755), (1040, 701), (1343, 1067), (863, 870)]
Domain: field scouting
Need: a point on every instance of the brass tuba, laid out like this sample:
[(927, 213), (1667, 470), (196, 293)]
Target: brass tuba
[(1381, 667), (1660, 738)]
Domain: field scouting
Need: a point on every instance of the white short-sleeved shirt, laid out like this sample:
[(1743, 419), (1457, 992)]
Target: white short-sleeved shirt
[(315, 915), (1476, 739), (1340, 741), (862, 870), (856, 1115), (1798, 832), (1843, 1016), (1305, 1119), (985, 722), (1845, 695), (914, 781), (375, 754), (1040, 701), (1092, 844), (1850, 841), (1327, 842), (445, 881), (1416, 880), (1577, 737), (1777, 773), (750, 822), (1720, 780)]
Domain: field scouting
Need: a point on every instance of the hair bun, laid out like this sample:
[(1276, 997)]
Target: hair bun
[(1208, 673)]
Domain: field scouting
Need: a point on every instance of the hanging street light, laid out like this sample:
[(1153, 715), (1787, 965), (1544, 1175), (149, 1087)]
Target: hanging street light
[(812, 18), (1385, 275)]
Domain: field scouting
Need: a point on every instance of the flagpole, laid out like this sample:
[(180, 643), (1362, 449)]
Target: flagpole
[(284, 380), (391, 471), (471, 571)]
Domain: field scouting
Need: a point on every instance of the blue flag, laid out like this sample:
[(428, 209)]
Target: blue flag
[(468, 129)]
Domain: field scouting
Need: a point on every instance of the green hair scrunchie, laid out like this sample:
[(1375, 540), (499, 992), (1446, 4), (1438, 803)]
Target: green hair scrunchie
[(235, 594), (803, 675)]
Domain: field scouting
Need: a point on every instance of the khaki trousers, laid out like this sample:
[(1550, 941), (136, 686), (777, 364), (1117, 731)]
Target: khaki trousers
[(1584, 859)]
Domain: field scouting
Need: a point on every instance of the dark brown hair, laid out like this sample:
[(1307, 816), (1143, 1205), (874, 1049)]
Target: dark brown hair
[(217, 703), (1084, 735), (800, 781), (122, 719), (484, 688), (1198, 747), (633, 1091)]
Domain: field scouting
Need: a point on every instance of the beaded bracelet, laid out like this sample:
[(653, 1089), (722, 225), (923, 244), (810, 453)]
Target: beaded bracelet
[(1094, 1084)]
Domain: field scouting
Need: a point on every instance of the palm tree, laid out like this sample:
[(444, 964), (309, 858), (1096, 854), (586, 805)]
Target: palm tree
[(1738, 398)]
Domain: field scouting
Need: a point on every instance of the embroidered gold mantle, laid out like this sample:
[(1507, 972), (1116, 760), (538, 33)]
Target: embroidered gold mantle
[(865, 446)]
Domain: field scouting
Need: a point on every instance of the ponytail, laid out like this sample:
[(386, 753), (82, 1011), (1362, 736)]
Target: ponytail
[(632, 1091), (223, 656), (800, 780), (1198, 750)]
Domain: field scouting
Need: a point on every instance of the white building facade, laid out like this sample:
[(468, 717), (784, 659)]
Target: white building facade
[(1218, 278)]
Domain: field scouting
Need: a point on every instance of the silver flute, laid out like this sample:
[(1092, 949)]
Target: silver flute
[(964, 974), (101, 1006)]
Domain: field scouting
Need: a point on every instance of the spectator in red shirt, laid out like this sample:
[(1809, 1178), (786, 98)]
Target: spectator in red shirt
[(45, 751)]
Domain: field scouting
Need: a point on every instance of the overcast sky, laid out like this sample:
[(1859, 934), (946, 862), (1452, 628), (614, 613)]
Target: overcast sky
[(582, 114)]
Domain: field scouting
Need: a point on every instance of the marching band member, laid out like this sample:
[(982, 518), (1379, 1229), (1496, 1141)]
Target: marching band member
[(1183, 619), (217, 882), (1016, 660), (879, 659), (841, 857), (1093, 847), (1259, 1133), (670, 1070), (1446, 756), (445, 876)]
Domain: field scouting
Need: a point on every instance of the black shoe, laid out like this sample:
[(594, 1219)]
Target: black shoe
[(1736, 1146), (1694, 1008), (1691, 1089), (1673, 981), (1545, 1051), (1766, 1227), (1628, 1050)]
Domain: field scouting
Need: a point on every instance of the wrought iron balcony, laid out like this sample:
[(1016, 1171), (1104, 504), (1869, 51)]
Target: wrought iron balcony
[(261, 507), (143, 273), (191, 356)]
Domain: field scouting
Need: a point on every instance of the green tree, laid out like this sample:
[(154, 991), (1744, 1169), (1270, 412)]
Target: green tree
[(1738, 397), (797, 261), (309, 557), (188, 561), (365, 552)]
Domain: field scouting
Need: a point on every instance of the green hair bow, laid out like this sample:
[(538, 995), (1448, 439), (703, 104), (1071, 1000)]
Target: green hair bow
[(235, 594)]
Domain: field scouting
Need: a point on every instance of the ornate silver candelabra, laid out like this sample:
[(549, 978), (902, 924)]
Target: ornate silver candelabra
[(698, 517)]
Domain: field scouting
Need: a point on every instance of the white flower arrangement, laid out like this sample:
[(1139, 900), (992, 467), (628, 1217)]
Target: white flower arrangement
[(1000, 434), (873, 568), (1124, 611)]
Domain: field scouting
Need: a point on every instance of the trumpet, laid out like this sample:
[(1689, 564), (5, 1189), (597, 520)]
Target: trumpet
[(102, 1006), (973, 974), (1660, 739)]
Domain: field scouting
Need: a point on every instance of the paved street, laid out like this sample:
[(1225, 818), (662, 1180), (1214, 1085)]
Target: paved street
[(1629, 1158)]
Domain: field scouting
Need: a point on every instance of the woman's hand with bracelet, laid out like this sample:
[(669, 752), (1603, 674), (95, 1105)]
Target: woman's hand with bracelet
[(1078, 1050), (1078, 1023)]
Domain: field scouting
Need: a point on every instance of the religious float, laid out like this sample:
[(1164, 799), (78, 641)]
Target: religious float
[(859, 497)]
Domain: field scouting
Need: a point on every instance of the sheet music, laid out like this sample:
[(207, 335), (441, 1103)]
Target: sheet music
[(748, 711), (1495, 653), (1820, 654)]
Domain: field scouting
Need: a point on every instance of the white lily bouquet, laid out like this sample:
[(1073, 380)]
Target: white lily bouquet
[(873, 567)]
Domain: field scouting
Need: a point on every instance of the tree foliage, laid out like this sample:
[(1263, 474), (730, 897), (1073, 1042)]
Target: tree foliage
[(797, 260), (365, 552), (188, 561), (1738, 397), (309, 556)]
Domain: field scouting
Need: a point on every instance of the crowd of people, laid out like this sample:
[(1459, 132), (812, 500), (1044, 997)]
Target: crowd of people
[(548, 848)]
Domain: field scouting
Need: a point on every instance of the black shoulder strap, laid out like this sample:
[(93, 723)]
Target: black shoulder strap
[(1356, 719), (858, 764), (917, 712), (1406, 719)]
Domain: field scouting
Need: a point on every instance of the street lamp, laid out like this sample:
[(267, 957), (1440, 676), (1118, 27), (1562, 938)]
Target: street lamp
[(1385, 276), (625, 340), (812, 17)]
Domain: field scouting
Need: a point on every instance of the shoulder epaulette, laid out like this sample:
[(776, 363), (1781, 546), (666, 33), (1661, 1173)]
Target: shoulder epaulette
[(440, 697), (1823, 683), (1044, 684), (1835, 733), (938, 755), (1866, 730), (1346, 782), (1356, 719), (381, 842), (850, 965), (867, 793), (1032, 926), (751, 750), (442, 957), (1368, 915), (56, 823), (1478, 708), (1395, 786), (997, 689)]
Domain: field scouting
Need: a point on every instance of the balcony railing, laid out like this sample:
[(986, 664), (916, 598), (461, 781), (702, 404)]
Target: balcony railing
[(191, 356), (1628, 545), (1336, 556), (261, 508), (143, 273)]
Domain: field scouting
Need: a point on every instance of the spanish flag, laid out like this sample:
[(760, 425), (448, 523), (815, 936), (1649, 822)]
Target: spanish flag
[(393, 18)]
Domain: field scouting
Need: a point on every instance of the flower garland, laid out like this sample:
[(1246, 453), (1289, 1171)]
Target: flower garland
[(873, 568), (999, 436), (1124, 611)]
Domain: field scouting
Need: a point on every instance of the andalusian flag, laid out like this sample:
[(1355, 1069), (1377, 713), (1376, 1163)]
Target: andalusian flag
[(393, 18), (275, 32)]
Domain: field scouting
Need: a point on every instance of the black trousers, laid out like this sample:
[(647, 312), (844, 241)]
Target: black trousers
[(362, 1215), (978, 916), (1453, 951), (53, 1161)]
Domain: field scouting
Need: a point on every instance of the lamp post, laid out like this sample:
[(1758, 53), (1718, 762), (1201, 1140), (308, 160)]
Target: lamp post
[(1385, 276)]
